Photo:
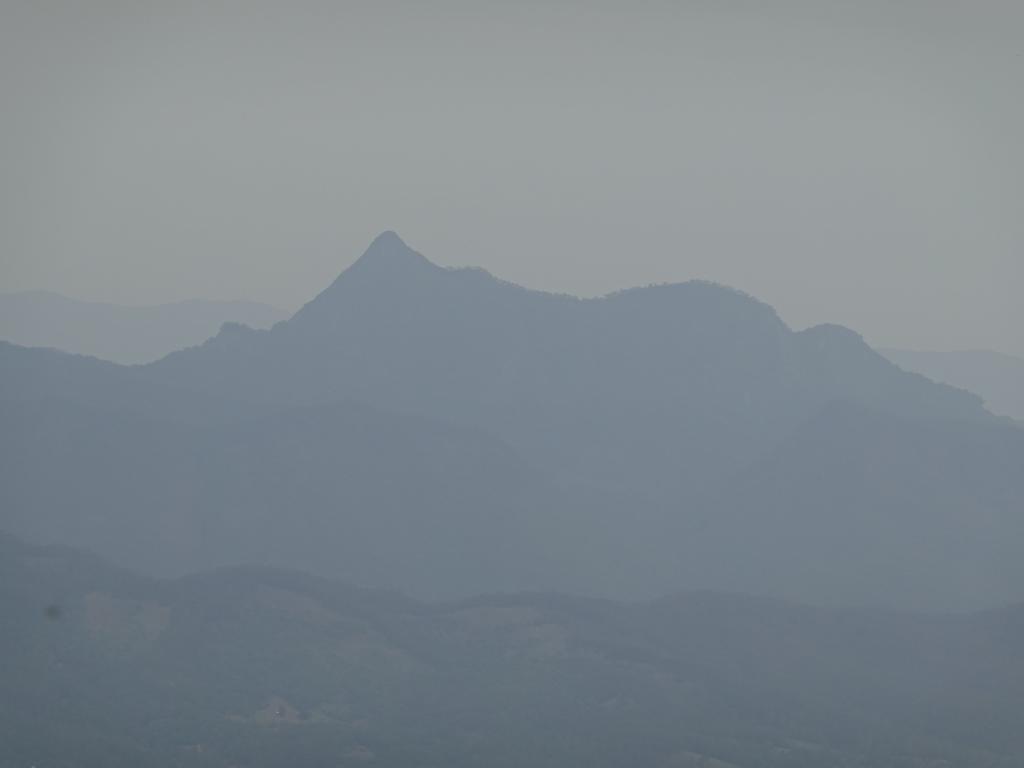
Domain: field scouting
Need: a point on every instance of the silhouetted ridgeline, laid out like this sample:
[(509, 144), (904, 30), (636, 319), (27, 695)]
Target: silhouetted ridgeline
[(446, 433), (998, 378), (119, 333)]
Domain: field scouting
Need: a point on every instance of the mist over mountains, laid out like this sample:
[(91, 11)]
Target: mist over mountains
[(679, 508), (446, 433)]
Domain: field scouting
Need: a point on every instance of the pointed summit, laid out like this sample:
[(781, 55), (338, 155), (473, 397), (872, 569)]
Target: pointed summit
[(386, 273), (387, 239), (388, 254)]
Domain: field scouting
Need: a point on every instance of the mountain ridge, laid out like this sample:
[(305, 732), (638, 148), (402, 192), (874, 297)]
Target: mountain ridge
[(615, 428), (129, 335), (995, 376)]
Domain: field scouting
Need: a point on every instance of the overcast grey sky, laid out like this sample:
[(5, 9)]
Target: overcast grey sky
[(856, 162)]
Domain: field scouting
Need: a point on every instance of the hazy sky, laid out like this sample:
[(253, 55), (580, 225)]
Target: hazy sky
[(856, 162)]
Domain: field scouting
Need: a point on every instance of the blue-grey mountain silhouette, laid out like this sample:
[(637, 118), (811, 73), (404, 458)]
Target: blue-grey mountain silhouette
[(445, 432)]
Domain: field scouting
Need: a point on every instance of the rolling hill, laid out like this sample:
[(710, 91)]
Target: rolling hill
[(256, 667)]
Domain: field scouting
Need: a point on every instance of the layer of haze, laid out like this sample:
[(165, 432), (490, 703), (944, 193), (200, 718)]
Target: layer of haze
[(858, 163)]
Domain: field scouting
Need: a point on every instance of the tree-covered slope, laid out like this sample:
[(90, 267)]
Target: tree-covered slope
[(254, 667)]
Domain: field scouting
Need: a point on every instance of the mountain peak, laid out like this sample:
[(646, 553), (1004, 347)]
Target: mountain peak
[(388, 268), (388, 252)]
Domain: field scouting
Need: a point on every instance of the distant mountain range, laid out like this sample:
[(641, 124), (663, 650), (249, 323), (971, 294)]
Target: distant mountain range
[(102, 669), (122, 334), (443, 432), (998, 378)]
